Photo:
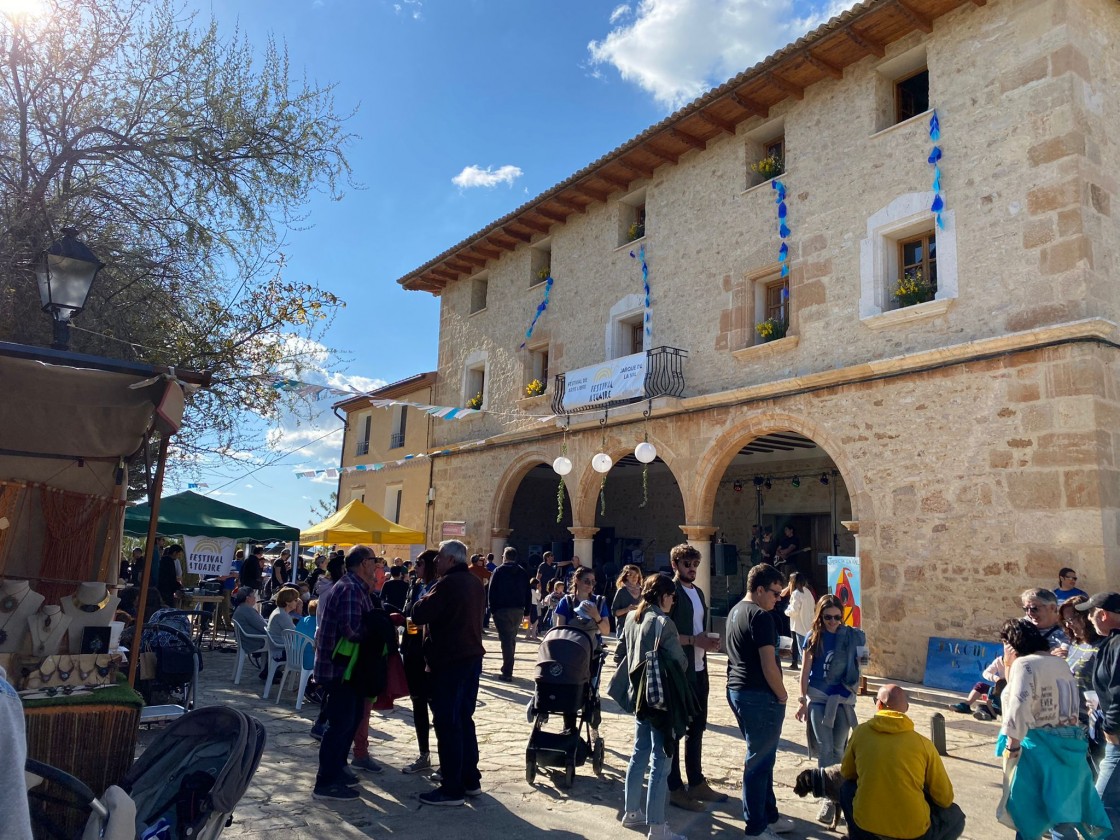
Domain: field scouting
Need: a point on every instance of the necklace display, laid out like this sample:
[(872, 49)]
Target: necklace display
[(64, 676), (92, 608), (10, 605)]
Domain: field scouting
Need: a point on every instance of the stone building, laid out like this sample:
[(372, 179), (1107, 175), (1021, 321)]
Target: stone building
[(962, 445), (374, 441)]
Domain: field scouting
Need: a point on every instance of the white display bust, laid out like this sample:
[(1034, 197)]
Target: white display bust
[(93, 605), (18, 602), (47, 628)]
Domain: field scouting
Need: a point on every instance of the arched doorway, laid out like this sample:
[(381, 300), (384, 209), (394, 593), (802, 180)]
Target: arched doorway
[(536, 502)]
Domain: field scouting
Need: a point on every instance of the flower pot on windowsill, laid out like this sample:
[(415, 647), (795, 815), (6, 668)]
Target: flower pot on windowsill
[(771, 329), (912, 290)]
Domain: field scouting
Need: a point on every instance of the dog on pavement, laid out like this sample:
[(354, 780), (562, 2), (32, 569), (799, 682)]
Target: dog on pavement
[(823, 782)]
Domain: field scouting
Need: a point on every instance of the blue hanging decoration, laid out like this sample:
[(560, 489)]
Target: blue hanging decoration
[(648, 318), (783, 228), (541, 307), (934, 160)]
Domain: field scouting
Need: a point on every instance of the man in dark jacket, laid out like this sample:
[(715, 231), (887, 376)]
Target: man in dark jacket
[(450, 611), (689, 614), (509, 603), (395, 591), (252, 570), (1104, 613)]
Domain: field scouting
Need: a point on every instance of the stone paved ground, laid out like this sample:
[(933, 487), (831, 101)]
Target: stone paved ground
[(278, 803)]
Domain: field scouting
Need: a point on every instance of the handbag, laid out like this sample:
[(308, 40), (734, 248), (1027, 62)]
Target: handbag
[(619, 688), (396, 685), (655, 683)]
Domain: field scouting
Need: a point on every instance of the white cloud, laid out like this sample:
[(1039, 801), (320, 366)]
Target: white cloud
[(675, 50), (410, 8), (476, 176), (619, 13)]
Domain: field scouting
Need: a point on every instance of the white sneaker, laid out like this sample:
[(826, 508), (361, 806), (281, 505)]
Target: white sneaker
[(766, 834), (633, 819), (783, 825), (661, 831)]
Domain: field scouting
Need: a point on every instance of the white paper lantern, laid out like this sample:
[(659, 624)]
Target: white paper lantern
[(645, 452), (601, 463), (562, 466)]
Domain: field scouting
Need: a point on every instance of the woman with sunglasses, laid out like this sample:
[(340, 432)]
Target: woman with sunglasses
[(829, 679), (1081, 658)]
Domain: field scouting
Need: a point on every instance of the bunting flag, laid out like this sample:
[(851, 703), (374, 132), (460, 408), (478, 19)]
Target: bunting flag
[(648, 317), (334, 472), (445, 412), (783, 229), (311, 390), (934, 160), (197, 486), (541, 307)]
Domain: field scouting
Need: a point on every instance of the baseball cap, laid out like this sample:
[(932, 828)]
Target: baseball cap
[(1107, 601)]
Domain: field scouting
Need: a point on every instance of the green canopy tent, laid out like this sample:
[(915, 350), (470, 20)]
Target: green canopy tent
[(194, 514)]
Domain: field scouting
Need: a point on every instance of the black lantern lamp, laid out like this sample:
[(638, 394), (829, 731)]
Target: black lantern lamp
[(65, 271)]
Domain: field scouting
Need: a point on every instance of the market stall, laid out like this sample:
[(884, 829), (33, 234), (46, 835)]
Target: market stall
[(356, 523)]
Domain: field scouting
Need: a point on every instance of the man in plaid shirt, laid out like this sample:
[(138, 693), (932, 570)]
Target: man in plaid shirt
[(340, 614)]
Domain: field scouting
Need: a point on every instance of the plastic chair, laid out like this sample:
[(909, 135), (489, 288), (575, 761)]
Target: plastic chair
[(295, 643), (242, 637)]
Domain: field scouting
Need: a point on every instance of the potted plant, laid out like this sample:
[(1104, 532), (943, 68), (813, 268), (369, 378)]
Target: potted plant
[(475, 401), (534, 388), (636, 231), (769, 167), (543, 273), (771, 329), (912, 288)]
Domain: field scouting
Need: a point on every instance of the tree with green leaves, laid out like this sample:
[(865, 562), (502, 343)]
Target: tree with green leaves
[(182, 157), (324, 508)]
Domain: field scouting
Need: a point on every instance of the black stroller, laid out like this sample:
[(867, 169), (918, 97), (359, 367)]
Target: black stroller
[(185, 785), (567, 683)]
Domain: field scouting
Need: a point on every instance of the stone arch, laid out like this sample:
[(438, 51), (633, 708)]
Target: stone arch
[(516, 470), (701, 498), (586, 498)]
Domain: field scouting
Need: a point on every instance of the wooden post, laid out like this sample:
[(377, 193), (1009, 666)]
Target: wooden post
[(154, 494), (937, 733)]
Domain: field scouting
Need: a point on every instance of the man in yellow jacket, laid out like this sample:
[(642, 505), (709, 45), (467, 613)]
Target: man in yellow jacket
[(895, 785)]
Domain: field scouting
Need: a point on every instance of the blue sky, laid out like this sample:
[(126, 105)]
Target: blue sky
[(465, 110)]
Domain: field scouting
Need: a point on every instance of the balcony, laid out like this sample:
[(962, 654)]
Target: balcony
[(362, 448), (663, 377), (396, 440)]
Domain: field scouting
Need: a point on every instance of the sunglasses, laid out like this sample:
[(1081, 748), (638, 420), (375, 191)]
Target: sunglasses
[(690, 564), (831, 617), (777, 593)]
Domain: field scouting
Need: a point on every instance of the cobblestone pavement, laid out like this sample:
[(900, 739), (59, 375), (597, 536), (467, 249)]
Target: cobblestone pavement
[(278, 804)]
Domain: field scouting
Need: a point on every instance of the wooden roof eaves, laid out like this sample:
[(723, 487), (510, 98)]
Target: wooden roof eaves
[(744, 89)]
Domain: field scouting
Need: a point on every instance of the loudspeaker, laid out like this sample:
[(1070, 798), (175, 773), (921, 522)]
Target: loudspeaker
[(725, 559)]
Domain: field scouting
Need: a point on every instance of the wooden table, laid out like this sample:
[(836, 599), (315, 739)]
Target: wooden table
[(196, 599)]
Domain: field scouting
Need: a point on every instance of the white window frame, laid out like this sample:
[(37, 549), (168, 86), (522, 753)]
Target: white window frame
[(394, 501), (906, 216), (477, 360), (621, 317)]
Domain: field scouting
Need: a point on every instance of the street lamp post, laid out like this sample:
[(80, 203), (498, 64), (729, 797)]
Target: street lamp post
[(65, 271)]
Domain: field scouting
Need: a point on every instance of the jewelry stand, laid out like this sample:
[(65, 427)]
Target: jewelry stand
[(93, 605), (18, 602), (47, 627)]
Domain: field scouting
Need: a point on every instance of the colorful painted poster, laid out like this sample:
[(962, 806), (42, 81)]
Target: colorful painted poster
[(843, 582), (209, 556)]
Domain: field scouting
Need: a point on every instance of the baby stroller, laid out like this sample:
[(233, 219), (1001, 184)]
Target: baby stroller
[(170, 660), (185, 785), (568, 665)]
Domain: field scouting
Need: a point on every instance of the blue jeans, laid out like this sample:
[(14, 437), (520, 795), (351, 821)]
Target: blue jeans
[(1108, 786), (649, 753), (454, 696), (831, 740), (798, 643), (760, 718)]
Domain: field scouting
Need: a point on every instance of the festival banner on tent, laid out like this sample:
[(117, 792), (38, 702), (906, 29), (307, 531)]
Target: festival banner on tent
[(617, 379), (843, 582), (209, 556)]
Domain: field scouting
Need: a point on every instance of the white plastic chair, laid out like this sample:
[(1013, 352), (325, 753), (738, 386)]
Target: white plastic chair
[(295, 643), (272, 651), (242, 637)]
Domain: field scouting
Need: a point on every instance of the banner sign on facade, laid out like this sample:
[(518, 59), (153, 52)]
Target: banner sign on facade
[(448, 530), (615, 379), (843, 582), (209, 556)]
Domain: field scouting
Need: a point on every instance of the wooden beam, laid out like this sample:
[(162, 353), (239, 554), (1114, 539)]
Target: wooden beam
[(796, 91), (979, 2), (722, 125), (917, 18), (822, 65), (658, 153), (549, 214), (756, 108), (469, 259), (564, 201), (861, 40), (486, 252), (537, 226), (595, 194), (687, 139), (516, 234), (445, 273), (504, 246), (459, 268), (633, 167), (613, 180)]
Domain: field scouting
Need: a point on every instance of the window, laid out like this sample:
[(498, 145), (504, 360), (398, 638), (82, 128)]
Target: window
[(766, 152), (363, 439), (632, 217), (771, 307), (626, 332), (917, 258), (396, 437), (911, 95), (479, 286), (475, 380), (540, 262), (393, 494), (538, 368), (637, 336)]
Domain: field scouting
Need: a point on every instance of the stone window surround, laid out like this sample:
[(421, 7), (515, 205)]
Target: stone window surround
[(476, 360), (617, 343), (906, 215)]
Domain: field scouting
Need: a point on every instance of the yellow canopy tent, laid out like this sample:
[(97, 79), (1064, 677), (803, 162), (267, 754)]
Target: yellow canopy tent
[(357, 523)]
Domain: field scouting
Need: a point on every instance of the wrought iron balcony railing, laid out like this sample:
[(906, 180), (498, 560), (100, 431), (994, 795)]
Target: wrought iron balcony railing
[(362, 448), (664, 377), (396, 441)]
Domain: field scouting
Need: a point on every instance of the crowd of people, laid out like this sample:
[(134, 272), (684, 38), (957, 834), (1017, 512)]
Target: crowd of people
[(1055, 687)]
